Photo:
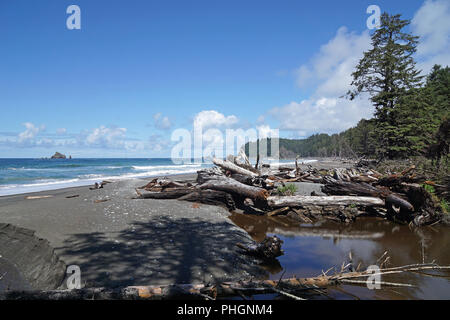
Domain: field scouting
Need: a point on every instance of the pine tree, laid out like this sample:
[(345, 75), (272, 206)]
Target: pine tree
[(387, 71)]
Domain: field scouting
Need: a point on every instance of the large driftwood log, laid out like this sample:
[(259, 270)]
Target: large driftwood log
[(394, 200), (210, 179), (246, 165), (211, 197), (158, 184), (426, 209), (227, 165), (169, 193), (299, 201), (339, 187)]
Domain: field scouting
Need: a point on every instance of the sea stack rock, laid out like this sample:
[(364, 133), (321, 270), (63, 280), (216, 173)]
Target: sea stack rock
[(58, 155)]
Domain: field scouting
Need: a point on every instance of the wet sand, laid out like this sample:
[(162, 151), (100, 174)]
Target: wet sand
[(123, 241)]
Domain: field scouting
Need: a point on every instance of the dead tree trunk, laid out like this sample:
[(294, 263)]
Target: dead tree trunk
[(299, 201), (211, 197), (212, 181), (169, 193), (227, 165)]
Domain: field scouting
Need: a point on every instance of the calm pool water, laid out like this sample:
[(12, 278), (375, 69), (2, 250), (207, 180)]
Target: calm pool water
[(309, 249)]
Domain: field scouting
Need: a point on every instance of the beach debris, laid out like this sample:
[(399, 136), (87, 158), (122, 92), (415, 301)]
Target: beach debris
[(233, 167), (73, 196), (347, 193), (101, 200), (38, 197), (99, 185), (268, 249), (294, 288)]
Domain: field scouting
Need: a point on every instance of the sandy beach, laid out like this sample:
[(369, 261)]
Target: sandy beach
[(123, 242)]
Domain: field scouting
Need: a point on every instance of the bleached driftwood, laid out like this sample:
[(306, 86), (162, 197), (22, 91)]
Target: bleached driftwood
[(298, 201), (227, 165)]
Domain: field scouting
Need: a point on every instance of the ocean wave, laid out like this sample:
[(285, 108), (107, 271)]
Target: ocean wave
[(84, 180), (166, 166), (300, 161)]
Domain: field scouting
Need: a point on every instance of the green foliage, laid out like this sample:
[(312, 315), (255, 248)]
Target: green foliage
[(445, 206), (287, 190), (429, 188), (387, 71)]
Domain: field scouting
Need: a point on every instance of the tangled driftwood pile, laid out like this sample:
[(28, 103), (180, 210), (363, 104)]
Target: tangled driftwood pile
[(349, 193)]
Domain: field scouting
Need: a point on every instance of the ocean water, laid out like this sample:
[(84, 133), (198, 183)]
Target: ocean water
[(31, 175)]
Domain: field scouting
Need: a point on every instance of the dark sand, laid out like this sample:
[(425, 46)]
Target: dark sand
[(134, 242)]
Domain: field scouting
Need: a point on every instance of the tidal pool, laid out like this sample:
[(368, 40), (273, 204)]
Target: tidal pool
[(313, 248)]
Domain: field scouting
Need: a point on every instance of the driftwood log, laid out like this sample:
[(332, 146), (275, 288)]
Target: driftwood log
[(286, 287), (169, 193), (299, 201), (338, 187), (268, 249), (209, 179), (211, 197), (230, 166)]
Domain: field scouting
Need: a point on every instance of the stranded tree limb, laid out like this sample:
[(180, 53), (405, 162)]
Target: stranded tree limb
[(224, 289), (227, 165), (299, 201)]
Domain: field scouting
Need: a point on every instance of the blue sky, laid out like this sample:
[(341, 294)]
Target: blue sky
[(137, 70)]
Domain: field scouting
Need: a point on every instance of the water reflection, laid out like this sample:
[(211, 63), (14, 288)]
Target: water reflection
[(309, 249)]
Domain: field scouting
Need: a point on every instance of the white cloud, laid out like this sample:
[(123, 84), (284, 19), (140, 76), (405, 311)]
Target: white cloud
[(30, 133), (214, 119), (110, 137), (265, 131), (432, 24), (158, 143), (329, 72), (161, 122), (325, 115)]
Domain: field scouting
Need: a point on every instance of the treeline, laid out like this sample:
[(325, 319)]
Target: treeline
[(411, 113)]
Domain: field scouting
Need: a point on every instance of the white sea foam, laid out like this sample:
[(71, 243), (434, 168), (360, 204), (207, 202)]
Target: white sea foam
[(170, 166), (300, 161)]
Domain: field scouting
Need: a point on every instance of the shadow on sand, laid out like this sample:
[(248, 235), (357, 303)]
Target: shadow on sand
[(160, 252)]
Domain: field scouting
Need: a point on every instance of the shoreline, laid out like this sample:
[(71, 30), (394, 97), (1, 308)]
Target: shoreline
[(92, 182), (32, 189)]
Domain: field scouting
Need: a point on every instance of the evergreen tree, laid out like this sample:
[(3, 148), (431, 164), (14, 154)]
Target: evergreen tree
[(386, 72)]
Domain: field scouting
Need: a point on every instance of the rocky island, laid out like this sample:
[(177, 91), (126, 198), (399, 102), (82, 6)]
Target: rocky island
[(58, 155)]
